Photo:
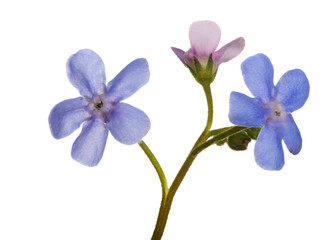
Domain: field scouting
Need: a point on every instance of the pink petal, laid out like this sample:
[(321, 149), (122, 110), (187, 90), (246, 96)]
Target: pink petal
[(179, 53), (229, 51), (204, 37), (189, 57)]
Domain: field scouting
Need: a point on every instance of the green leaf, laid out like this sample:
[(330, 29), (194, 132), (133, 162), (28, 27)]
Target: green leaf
[(253, 132), (221, 142)]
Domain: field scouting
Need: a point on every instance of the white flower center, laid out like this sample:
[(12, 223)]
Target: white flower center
[(100, 106), (276, 113)]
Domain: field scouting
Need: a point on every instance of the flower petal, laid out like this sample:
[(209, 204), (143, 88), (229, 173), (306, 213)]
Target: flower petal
[(204, 37), (67, 116), (85, 70), (179, 53), (258, 73), (268, 150), (128, 124), (246, 111), (189, 57), (135, 75), (293, 89), (88, 148), (229, 51), (292, 137)]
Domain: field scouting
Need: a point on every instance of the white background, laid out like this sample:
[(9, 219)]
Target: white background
[(44, 194)]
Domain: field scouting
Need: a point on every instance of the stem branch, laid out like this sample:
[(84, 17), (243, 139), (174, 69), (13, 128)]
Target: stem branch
[(157, 168), (165, 208)]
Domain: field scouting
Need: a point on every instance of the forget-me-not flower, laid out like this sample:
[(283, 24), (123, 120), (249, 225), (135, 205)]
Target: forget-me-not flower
[(271, 108), (100, 108), (204, 38)]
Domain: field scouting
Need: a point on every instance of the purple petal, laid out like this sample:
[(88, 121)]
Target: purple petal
[(268, 150), (189, 57), (85, 69), (229, 51), (246, 111), (258, 74), (293, 89), (88, 148), (179, 53), (67, 116), (292, 137), (204, 37), (135, 75), (128, 124)]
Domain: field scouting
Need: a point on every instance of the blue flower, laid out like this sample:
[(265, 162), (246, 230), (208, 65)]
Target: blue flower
[(100, 108), (271, 109)]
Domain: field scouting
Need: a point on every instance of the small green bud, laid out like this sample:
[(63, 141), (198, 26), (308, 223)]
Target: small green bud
[(238, 142)]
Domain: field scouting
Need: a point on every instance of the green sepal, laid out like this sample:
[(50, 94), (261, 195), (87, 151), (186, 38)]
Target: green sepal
[(194, 74), (203, 76), (209, 65), (210, 69), (198, 66), (213, 76)]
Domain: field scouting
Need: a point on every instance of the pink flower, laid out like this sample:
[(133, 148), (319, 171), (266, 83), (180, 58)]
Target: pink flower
[(204, 39)]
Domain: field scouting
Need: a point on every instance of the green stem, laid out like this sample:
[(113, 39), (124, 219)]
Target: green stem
[(164, 209), (157, 168), (221, 136), (204, 136)]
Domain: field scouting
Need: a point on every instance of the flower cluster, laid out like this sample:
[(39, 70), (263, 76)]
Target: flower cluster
[(100, 107), (265, 118)]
